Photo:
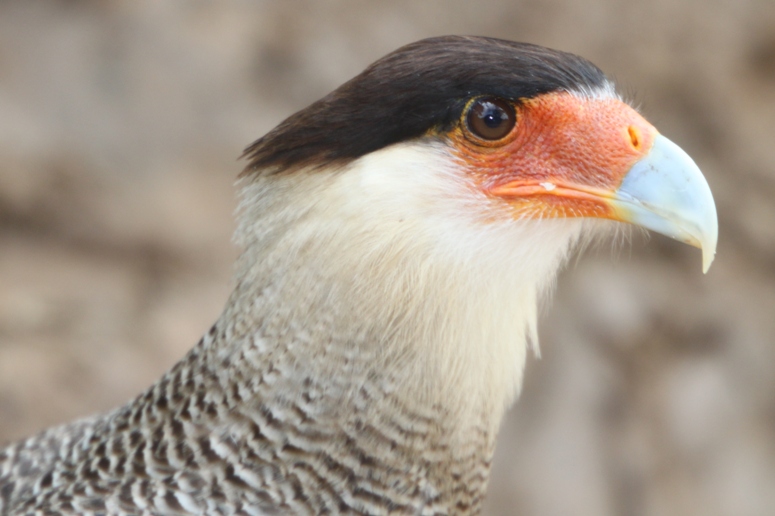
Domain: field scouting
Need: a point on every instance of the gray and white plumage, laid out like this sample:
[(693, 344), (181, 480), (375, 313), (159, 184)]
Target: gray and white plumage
[(385, 301)]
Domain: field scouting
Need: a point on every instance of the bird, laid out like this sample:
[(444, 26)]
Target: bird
[(396, 238)]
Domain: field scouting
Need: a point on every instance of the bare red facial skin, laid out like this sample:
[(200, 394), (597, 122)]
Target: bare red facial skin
[(565, 156)]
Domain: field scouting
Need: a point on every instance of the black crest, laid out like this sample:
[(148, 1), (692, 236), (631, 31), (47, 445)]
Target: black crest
[(418, 88)]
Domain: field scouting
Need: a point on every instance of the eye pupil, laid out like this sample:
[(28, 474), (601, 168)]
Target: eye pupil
[(490, 118)]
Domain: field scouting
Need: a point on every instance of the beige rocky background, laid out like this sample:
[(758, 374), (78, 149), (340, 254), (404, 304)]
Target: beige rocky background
[(120, 123)]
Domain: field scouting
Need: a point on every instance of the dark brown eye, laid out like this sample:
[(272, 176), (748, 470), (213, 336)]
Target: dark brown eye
[(490, 118)]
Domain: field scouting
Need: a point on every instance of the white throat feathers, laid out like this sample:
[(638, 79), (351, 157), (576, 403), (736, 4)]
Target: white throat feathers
[(399, 258)]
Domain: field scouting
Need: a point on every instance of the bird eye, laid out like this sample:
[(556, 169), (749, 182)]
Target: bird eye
[(490, 118)]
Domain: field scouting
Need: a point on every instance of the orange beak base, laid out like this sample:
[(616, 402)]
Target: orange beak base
[(565, 156), (576, 156)]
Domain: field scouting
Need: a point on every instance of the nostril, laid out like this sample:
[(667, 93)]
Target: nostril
[(635, 139)]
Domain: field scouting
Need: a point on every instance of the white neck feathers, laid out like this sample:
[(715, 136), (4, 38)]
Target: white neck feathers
[(398, 258)]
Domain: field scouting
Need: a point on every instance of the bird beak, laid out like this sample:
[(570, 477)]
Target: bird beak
[(666, 192)]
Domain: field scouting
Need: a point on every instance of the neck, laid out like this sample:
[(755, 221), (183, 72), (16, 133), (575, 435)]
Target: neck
[(379, 326), (408, 282), (376, 335)]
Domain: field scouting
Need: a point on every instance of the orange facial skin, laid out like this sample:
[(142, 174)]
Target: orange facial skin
[(564, 157)]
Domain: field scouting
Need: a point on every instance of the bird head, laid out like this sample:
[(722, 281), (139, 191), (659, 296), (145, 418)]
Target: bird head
[(539, 133), (422, 207)]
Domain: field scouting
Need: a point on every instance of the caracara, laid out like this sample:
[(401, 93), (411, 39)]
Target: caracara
[(396, 237)]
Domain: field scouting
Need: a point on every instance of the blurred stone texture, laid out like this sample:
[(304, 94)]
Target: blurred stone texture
[(120, 125)]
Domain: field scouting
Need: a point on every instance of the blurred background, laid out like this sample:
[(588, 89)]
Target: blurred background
[(120, 125)]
